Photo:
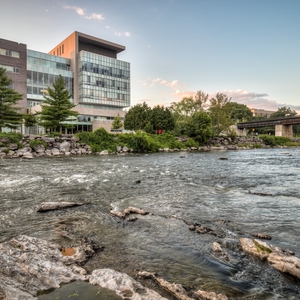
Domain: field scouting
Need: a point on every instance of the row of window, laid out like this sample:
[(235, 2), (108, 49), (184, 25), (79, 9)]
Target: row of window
[(45, 80), (106, 101), (103, 94), (11, 69), (10, 53), (115, 85), (103, 60), (47, 63), (104, 70), (97, 106)]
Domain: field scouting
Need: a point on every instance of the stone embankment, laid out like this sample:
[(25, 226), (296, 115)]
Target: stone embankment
[(34, 146)]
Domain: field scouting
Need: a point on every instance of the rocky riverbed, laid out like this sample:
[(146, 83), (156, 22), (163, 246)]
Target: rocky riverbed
[(182, 225)]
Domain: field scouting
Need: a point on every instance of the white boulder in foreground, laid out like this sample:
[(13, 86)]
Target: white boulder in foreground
[(279, 259), (29, 265), (123, 285), (47, 206)]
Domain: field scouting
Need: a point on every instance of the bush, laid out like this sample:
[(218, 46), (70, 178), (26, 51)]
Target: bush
[(167, 140), (99, 140), (141, 141), (54, 134), (191, 143), (273, 141), (11, 137), (36, 143)]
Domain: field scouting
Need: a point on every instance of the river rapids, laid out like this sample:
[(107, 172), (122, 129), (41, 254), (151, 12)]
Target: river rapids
[(244, 193)]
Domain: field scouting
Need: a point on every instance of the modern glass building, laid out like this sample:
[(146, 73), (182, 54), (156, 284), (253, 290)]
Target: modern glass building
[(42, 71), (98, 81)]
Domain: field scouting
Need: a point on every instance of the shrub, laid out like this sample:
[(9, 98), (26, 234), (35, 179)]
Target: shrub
[(36, 143), (257, 146), (11, 137), (141, 141), (273, 141), (167, 140), (191, 143), (99, 140), (54, 134)]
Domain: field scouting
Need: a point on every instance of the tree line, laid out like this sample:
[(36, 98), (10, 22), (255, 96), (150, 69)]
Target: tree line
[(198, 117)]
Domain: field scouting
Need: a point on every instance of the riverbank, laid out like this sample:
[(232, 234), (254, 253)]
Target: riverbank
[(31, 146)]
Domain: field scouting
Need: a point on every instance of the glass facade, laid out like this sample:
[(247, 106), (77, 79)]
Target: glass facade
[(42, 71), (103, 81)]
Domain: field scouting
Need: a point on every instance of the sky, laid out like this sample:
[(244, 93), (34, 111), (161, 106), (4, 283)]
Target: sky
[(246, 49)]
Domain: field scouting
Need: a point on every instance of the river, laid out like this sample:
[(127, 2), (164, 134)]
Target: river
[(246, 192)]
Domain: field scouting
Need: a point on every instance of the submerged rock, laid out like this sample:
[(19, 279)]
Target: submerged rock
[(47, 206), (202, 295), (281, 260), (128, 211), (176, 290)]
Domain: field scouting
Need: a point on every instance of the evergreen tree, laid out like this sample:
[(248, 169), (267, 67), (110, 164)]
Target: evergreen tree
[(9, 116), (117, 123), (57, 107)]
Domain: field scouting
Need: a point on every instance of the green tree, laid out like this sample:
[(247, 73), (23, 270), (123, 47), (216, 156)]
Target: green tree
[(137, 117), (284, 112), (200, 127), (57, 107), (220, 113), (9, 116), (117, 122), (183, 110), (30, 120), (239, 112), (161, 118), (189, 105)]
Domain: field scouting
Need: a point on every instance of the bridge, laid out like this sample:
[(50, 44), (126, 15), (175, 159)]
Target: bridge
[(283, 126)]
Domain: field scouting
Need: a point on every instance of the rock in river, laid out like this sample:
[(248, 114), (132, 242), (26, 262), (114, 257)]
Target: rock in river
[(47, 206)]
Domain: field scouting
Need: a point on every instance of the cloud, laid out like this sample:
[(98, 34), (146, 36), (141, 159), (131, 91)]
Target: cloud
[(173, 84), (257, 100), (80, 11), (127, 34)]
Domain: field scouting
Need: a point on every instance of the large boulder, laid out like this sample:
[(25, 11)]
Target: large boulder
[(124, 286), (30, 265), (64, 147)]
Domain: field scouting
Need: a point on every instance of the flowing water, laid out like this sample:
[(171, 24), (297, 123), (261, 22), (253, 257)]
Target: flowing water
[(255, 191)]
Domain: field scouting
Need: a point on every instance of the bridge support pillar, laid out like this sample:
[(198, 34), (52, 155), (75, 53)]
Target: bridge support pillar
[(284, 130), (238, 132)]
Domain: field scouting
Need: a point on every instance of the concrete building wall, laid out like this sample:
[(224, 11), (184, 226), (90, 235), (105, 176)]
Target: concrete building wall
[(261, 112), (19, 79)]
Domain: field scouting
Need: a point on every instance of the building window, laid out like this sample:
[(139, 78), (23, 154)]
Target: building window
[(10, 53), (11, 69), (63, 48)]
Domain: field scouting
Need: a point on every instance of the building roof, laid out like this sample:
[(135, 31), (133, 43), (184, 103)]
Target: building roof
[(85, 38)]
